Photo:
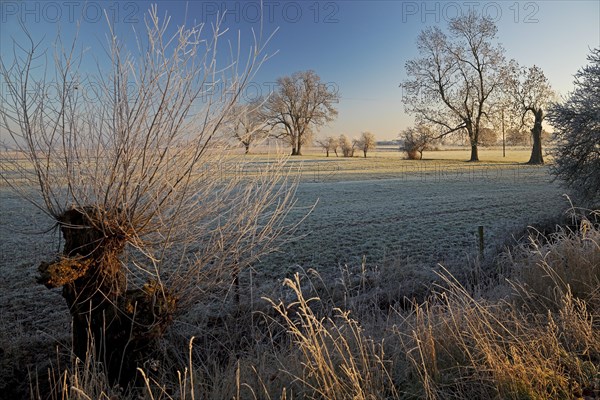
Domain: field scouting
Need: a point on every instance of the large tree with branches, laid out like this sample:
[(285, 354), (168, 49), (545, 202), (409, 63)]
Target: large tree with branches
[(299, 106), (529, 95), (134, 176), (452, 83)]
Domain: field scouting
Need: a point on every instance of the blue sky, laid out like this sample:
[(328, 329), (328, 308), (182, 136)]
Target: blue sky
[(358, 46)]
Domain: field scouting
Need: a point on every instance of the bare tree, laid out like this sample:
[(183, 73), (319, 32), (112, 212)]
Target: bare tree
[(329, 144), (347, 146), (577, 134), (451, 84), (530, 94), (135, 179), (249, 124), (416, 140), (299, 106), (366, 142)]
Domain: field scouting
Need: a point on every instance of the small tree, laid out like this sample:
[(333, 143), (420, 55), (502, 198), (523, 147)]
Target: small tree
[(415, 140), (576, 121), (249, 125), (328, 144), (300, 104), (134, 178), (366, 142), (347, 146)]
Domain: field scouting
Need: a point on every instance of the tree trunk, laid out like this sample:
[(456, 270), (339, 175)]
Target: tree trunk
[(474, 152), (294, 151), (121, 326), (473, 140), (247, 147), (364, 151), (298, 149), (536, 134), (327, 152)]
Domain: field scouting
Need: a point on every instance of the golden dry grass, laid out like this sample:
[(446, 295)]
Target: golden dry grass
[(455, 345)]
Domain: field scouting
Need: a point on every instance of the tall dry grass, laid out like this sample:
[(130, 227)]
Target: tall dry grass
[(541, 342), (339, 360), (308, 341)]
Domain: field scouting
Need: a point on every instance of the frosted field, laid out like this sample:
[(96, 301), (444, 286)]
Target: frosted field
[(398, 212), (391, 211)]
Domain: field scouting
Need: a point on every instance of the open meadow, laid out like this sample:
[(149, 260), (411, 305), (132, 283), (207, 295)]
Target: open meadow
[(378, 213), (380, 232), (383, 208), (392, 211)]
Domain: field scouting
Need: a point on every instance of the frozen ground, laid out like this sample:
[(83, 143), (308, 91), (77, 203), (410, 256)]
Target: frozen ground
[(418, 217), (391, 212)]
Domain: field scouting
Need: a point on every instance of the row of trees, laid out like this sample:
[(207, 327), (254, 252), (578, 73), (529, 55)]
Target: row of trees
[(365, 143), (420, 137), (462, 83)]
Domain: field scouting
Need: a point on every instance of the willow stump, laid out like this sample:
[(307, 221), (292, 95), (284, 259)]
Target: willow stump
[(119, 327)]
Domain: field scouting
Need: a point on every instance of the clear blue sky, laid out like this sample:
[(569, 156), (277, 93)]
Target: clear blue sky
[(358, 46)]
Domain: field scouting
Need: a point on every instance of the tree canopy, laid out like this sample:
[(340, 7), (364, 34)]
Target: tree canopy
[(300, 105), (577, 133), (452, 82)]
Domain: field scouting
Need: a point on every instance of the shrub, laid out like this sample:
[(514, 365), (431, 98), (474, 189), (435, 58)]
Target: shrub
[(347, 146), (328, 144), (135, 179), (415, 140), (576, 121)]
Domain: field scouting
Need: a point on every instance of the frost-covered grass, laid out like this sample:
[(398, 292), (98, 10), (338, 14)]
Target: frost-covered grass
[(389, 163), (399, 212), (403, 216), (536, 340)]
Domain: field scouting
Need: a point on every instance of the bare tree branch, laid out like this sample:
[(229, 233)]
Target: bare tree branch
[(135, 171)]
